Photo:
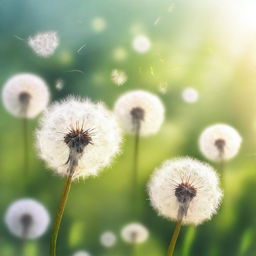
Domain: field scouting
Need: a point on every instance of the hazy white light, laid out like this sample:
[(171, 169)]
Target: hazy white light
[(119, 54), (141, 44), (59, 84), (108, 239), (99, 24), (190, 95)]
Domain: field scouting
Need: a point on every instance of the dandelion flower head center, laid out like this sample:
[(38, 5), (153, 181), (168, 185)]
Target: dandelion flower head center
[(24, 99), (26, 221), (137, 114), (78, 139), (220, 144), (184, 193)]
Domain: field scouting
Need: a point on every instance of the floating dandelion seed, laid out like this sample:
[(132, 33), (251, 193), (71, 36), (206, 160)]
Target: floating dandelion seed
[(25, 95), (108, 239), (44, 44), (190, 95), (76, 138), (141, 44), (119, 54), (220, 142), (163, 87), (27, 219), (119, 77), (140, 108), (185, 190), (81, 253), (134, 233), (59, 84), (99, 24)]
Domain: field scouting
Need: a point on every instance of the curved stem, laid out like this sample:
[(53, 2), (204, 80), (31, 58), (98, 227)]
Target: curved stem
[(174, 238), (59, 215)]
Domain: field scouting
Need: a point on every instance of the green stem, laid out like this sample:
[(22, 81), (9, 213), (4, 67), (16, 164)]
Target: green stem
[(25, 145), (134, 186), (59, 215), (174, 238)]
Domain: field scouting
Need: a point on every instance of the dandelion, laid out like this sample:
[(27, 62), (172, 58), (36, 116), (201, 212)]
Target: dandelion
[(190, 95), (185, 190), (44, 44), (119, 77), (108, 239), (81, 253), (139, 113), (25, 96), (98, 24), (220, 142), (141, 44), (134, 233), (27, 219), (76, 138)]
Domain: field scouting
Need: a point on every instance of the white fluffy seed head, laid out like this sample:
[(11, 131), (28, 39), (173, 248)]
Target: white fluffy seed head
[(25, 95), (150, 104), (78, 116), (44, 44), (119, 77), (201, 178), (220, 142), (134, 233), (81, 253), (27, 219), (108, 239), (141, 44)]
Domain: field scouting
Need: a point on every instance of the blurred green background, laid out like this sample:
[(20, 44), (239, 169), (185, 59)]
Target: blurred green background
[(209, 45)]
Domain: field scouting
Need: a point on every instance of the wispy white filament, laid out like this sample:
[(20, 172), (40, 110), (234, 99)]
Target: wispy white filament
[(150, 104), (44, 44), (134, 233), (108, 239), (191, 172), (212, 135), (31, 85), (32, 210), (78, 114)]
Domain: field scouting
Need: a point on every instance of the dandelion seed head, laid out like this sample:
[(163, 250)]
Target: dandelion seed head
[(99, 24), (220, 142), (27, 219), (141, 44), (139, 106), (81, 131), (190, 95), (25, 95), (119, 77), (134, 233), (44, 44), (108, 239), (81, 253), (187, 189)]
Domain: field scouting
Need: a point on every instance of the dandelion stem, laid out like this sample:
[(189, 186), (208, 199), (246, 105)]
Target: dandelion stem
[(135, 166), (25, 145), (59, 215), (174, 238)]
